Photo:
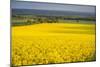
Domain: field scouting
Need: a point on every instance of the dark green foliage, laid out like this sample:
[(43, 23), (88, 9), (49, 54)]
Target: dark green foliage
[(18, 20)]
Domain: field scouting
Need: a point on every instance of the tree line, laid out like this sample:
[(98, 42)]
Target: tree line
[(47, 19)]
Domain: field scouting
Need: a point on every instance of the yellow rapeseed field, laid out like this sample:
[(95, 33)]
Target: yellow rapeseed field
[(49, 43)]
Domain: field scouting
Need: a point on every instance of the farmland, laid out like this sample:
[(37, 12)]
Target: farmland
[(48, 43)]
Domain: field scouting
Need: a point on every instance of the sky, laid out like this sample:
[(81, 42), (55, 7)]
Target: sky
[(52, 6)]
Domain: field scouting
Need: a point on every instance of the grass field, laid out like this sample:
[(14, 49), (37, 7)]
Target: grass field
[(49, 43)]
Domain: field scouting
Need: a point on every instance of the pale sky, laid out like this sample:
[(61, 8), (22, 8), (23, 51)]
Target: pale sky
[(51, 6)]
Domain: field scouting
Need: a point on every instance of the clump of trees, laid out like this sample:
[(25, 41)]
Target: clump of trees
[(34, 19)]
